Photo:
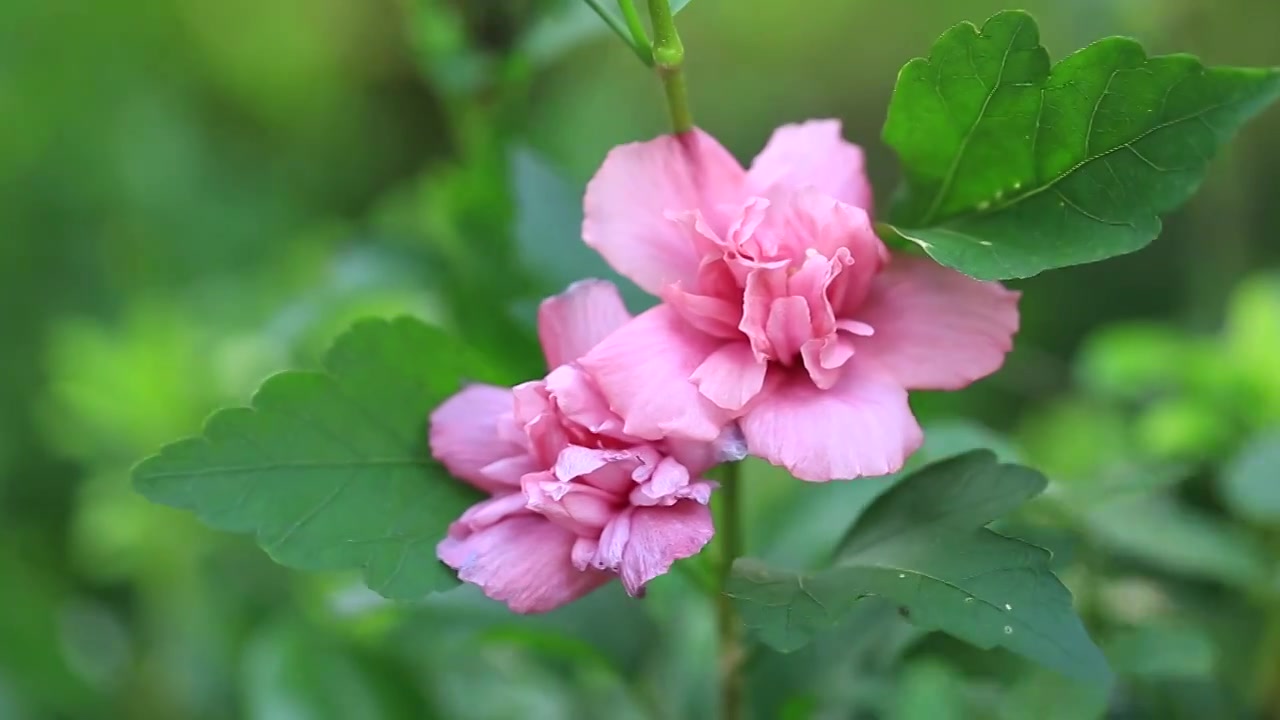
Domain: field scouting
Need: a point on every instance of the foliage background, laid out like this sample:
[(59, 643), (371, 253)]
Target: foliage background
[(194, 195)]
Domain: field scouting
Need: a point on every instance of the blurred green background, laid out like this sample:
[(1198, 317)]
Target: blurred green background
[(195, 194)]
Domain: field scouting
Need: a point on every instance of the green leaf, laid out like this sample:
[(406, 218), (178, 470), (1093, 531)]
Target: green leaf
[(331, 470), (1013, 168), (924, 546), (1251, 483), (798, 523)]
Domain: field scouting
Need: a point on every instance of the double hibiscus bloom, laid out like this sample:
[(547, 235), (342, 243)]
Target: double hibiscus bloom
[(785, 331)]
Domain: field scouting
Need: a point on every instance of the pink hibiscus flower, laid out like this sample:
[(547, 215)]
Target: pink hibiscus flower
[(782, 308), (575, 499)]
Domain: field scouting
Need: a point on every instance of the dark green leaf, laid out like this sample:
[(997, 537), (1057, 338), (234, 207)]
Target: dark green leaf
[(923, 545), (331, 470), (845, 672), (798, 523), (1251, 483), (1013, 168)]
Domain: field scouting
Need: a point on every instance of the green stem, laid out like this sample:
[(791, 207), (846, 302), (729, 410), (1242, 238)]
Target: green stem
[(730, 625), (668, 58), (638, 36), (628, 35)]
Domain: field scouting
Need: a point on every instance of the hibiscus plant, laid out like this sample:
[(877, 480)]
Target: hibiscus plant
[(790, 318)]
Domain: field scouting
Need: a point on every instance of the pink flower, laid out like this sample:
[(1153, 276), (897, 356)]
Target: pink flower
[(575, 499), (782, 307)]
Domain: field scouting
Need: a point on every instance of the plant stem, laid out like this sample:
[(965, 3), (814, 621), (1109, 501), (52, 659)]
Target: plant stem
[(730, 625), (638, 35), (668, 58), (627, 34)]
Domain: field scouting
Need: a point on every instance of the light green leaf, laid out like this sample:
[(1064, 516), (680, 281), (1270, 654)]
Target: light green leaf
[(331, 470), (924, 546), (1013, 168), (1251, 483)]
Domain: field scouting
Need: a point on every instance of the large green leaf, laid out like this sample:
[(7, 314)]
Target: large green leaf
[(331, 470), (1013, 168), (799, 523), (924, 546)]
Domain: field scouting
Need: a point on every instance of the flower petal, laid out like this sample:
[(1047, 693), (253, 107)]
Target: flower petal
[(862, 426), (788, 327), (659, 536), (699, 456), (544, 432), (525, 561), (579, 507), (668, 479), (574, 393), (730, 376), (934, 328), (709, 314), (643, 371), (839, 232), (812, 154), (573, 322), (824, 359), (628, 201), (467, 437)]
